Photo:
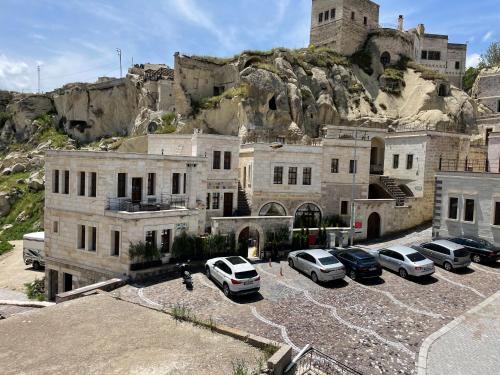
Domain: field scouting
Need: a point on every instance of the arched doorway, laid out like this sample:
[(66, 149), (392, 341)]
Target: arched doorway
[(373, 231), (308, 216), (377, 156), (249, 243), (272, 209), (385, 59)]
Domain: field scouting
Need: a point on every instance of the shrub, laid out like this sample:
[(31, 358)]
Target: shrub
[(36, 289), (142, 251), (214, 101), (4, 247), (426, 73), (4, 117), (363, 59), (184, 247)]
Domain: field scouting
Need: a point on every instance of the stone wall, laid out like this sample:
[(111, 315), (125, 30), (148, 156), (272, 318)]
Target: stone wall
[(487, 89)]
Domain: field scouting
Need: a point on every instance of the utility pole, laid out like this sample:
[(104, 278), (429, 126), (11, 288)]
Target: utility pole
[(119, 52), (38, 76)]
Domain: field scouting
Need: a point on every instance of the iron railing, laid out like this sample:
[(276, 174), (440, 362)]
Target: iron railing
[(313, 362), (469, 165), (164, 202)]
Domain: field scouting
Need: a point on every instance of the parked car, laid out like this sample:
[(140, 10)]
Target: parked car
[(319, 264), (33, 249), (404, 260), (481, 250), (234, 274), (358, 263), (445, 253)]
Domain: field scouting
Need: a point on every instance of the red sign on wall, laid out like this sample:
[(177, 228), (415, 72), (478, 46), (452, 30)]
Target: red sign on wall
[(358, 225)]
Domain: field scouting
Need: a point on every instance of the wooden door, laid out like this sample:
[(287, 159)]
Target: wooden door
[(228, 204), (136, 189)]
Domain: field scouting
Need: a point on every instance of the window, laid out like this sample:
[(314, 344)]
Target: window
[(208, 201), (184, 185), (55, 227), (292, 176), (306, 176), (55, 181), (327, 15), (498, 107), (434, 55), (81, 184), (395, 161), (227, 160), (278, 176), (216, 161), (320, 17), (469, 210), (176, 189), (424, 55), (487, 136), (81, 237), (353, 16), (122, 185), (453, 208), (457, 65), (496, 219), (335, 166), (115, 243), (353, 166), (93, 238), (249, 175), (409, 161), (151, 183), (66, 182), (93, 184), (165, 241), (344, 208), (215, 201), (333, 13), (365, 21), (151, 239)]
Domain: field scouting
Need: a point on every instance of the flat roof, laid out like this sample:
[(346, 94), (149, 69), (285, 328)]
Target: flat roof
[(436, 36), (121, 155), (195, 135)]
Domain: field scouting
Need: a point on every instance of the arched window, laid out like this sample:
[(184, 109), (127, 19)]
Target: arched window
[(272, 209), (385, 59), (308, 216)]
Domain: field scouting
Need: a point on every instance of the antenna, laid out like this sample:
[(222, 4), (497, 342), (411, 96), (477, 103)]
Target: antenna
[(119, 52), (38, 75)]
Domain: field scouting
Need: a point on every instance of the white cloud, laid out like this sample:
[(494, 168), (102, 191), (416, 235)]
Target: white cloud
[(487, 36), (473, 60), (14, 74)]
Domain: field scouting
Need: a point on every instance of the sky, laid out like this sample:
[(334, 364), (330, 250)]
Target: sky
[(76, 40)]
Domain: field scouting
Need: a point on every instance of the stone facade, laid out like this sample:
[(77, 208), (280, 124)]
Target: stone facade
[(487, 89), (98, 203), (467, 204)]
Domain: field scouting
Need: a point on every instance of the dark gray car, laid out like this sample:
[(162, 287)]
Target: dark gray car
[(445, 253)]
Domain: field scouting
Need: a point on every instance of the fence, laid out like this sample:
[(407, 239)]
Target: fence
[(469, 165), (163, 203), (312, 362)]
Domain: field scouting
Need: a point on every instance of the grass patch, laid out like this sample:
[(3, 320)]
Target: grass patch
[(58, 139), (426, 73), (214, 60), (214, 101), (182, 313), (36, 290), (5, 247), (321, 57), (167, 125)]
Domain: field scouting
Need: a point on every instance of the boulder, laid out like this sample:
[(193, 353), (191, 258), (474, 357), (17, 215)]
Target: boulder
[(36, 182), (18, 168), (7, 172), (4, 204)]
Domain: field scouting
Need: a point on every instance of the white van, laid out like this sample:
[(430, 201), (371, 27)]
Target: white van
[(33, 249)]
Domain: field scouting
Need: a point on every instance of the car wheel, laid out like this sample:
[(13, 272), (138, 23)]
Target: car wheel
[(207, 272), (352, 275), (36, 266), (448, 267), (403, 273), (314, 277), (476, 258), (226, 290), (290, 263)]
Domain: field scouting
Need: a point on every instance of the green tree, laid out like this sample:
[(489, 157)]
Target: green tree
[(470, 77), (492, 56)]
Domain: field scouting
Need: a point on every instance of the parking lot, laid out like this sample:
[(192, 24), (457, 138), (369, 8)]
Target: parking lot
[(375, 326)]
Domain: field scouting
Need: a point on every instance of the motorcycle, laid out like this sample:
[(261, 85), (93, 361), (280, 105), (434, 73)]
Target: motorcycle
[(187, 279)]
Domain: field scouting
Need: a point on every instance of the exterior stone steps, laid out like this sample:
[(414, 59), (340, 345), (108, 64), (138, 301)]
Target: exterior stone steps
[(243, 206), (394, 190)]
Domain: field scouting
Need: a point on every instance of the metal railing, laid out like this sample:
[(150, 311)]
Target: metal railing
[(164, 202), (313, 362), (469, 165)]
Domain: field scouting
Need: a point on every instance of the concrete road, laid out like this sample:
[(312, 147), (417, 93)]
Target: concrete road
[(13, 272)]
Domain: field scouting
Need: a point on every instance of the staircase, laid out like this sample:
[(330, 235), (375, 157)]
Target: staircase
[(243, 207), (390, 185)]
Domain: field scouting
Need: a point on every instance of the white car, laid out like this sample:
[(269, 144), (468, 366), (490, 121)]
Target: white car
[(319, 264), (404, 260), (234, 274)]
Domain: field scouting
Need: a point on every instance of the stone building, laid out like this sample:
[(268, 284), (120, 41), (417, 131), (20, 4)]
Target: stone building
[(486, 91), (97, 204)]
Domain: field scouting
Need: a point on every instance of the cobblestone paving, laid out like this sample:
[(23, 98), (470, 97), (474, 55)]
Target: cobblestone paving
[(375, 327)]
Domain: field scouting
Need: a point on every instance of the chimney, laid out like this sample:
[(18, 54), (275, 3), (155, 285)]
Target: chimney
[(401, 21), (420, 29)]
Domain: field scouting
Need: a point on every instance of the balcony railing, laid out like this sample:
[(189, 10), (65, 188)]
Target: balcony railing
[(165, 202), (469, 165), (376, 169)]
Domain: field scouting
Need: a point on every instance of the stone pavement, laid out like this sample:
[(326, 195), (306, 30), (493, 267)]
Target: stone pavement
[(468, 345)]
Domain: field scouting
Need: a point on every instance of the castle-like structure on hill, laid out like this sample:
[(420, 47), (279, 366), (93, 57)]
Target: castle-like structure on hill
[(348, 25)]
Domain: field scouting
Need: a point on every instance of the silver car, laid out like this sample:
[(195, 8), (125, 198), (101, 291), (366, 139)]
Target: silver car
[(404, 260), (445, 253), (319, 264)]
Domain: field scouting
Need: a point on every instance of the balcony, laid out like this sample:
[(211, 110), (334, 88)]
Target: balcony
[(376, 169), (165, 202)]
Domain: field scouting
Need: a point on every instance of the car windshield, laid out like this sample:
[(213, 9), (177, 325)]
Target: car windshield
[(236, 260), (415, 257), (484, 243), (327, 261), (459, 253), (246, 274)]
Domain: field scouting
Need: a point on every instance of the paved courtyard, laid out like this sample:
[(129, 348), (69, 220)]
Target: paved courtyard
[(375, 327)]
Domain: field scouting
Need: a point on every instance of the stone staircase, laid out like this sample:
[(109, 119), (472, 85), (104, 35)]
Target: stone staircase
[(243, 206), (394, 190)]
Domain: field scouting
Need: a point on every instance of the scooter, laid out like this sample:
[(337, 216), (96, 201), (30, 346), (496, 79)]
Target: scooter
[(187, 279)]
